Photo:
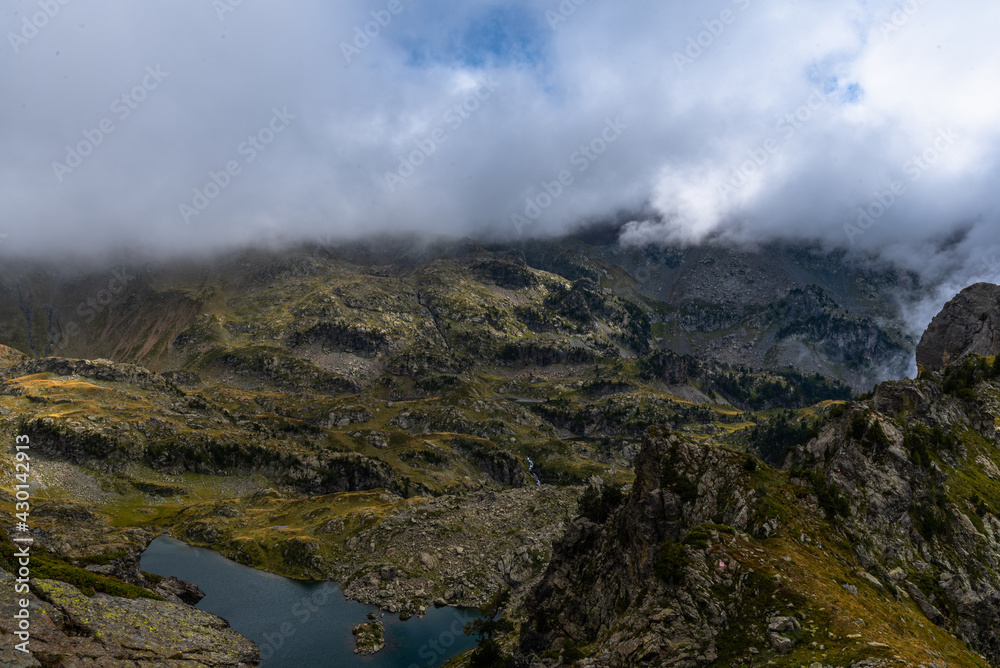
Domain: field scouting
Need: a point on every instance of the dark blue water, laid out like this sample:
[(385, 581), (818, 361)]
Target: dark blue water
[(299, 625)]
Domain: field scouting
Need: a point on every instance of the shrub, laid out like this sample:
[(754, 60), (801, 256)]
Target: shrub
[(960, 379), (931, 516), (916, 445), (670, 563), (858, 427), (597, 503), (492, 623), (876, 438), (774, 438), (490, 655), (830, 499), (697, 538), (837, 411), (979, 505), (571, 652), (671, 479)]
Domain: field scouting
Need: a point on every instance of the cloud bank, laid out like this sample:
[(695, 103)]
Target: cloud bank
[(182, 126)]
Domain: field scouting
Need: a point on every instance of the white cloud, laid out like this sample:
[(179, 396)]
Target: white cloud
[(889, 93)]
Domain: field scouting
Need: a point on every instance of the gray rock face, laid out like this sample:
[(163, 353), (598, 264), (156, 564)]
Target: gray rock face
[(969, 324), (950, 574), (600, 582), (180, 591), (778, 631), (69, 628), (677, 575)]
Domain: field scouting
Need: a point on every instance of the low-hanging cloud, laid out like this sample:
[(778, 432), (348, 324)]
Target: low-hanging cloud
[(187, 125)]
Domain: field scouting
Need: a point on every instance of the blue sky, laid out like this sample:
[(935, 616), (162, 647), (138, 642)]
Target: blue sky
[(497, 36)]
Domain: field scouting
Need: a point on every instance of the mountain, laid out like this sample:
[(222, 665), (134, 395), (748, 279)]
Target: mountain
[(876, 542), (420, 421), (969, 324), (410, 305)]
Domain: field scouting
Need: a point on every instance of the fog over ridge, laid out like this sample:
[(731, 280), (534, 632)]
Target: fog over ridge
[(185, 126)]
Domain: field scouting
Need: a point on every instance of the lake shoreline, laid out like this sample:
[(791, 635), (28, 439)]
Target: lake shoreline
[(291, 620)]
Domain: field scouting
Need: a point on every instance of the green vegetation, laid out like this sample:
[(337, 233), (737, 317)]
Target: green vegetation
[(597, 503), (830, 498), (670, 562), (785, 388), (46, 565), (672, 480), (774, 438), (100, 559), (960, 380), (491, 624), (697, 538), (931, 515), (922, 443), (349, 386)]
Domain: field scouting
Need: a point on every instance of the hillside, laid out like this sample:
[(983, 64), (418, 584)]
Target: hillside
[(876, 541), (350, 314), (419, 424)]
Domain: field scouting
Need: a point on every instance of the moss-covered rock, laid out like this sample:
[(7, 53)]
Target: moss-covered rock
[(369, 637), (113, 631)]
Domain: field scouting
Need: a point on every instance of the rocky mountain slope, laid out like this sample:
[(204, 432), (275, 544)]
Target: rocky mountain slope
[(81, 617), (343, 316), (876, 542), (968, 325), (415, 421)]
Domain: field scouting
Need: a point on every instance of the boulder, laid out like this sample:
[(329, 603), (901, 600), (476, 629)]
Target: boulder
[(179, 591), (369, 637), (967, 325), (67, 623)]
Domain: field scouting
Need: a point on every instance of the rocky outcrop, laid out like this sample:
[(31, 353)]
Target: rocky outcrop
[(369, 637), (848, 340), (179, 591), (105, 370), (460, 550), (893, 502), (511, 273), (113, 632), (914, 463), (503, 466), (10, 357), (967, 325), (632, 581)]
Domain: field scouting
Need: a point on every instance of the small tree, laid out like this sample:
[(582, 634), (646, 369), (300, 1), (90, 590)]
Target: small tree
[(491, 624), (597, 503)]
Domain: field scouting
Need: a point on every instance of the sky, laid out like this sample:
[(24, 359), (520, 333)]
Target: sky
[(182, 126)]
